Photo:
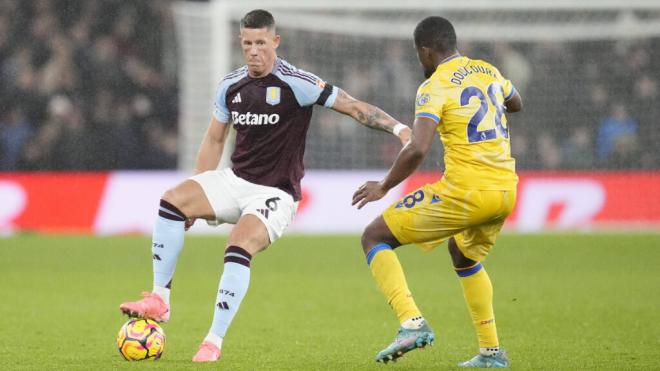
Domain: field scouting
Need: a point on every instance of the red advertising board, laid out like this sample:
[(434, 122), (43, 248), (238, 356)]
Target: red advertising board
[(125, 202), (50, 202)]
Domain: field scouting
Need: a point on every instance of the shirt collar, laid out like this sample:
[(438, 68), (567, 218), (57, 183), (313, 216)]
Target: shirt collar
[(451, 57)]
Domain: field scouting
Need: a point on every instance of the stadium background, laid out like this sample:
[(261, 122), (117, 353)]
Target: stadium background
[(116, 86), (103, 104)]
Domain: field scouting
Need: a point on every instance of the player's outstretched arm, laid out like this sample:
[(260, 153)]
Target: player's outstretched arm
[(370, 116), (212, 145), (410, 157)]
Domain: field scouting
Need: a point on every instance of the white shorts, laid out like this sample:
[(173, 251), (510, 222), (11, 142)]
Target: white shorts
[(232, 197)]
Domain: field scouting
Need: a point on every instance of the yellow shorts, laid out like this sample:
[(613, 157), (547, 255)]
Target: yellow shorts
[(430, 215)]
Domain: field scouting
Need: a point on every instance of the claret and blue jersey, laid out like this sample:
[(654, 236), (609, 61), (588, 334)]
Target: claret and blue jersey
[(271, 116)]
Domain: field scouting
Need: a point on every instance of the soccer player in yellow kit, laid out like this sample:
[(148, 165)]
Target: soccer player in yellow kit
[(464, 100)]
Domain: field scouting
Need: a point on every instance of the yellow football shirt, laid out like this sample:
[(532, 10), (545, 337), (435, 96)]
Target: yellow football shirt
[(466, 98)]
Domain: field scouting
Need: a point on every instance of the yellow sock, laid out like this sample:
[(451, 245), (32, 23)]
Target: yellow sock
[(478, 292), (387, 272)]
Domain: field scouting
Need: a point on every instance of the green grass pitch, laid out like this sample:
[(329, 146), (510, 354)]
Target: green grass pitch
[(562, 302)]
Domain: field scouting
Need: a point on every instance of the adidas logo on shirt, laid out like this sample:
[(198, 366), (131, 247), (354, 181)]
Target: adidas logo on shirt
[(237, 98)]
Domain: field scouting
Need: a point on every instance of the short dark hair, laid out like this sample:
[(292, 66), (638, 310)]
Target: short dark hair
[(436, 33), (258, 18)]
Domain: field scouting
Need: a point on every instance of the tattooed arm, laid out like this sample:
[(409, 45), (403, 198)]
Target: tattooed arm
[(370, 116)]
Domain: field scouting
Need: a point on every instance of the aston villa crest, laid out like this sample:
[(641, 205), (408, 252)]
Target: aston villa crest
[(273, 95)]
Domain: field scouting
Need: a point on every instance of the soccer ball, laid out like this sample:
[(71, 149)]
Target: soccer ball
[(141, 339)]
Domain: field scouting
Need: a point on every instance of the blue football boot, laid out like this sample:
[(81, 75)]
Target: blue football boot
[(497, 360), (405, 341)]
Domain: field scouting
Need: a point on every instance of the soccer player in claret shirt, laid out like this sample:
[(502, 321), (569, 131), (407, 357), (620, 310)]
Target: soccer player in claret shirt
[(269, 102), (464, 100)]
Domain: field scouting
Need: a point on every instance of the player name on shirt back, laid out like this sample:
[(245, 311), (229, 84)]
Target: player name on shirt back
[(463, 72)]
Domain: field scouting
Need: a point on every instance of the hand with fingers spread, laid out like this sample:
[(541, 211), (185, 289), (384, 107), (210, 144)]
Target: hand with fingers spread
[(368, 192)]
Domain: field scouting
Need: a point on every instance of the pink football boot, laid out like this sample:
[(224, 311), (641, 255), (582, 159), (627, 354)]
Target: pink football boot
[(150, 307), (207, 352)]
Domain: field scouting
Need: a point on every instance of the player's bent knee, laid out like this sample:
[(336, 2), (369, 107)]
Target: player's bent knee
[(458, 259), (369, 237), (171, 196), (377, 232), (251, 234), (252, 242), (367, 242), (252, 245), (189, 197)]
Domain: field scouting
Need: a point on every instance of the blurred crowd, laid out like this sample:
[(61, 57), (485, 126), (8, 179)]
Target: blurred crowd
[(92, 85), (87, 85), (587, 104)]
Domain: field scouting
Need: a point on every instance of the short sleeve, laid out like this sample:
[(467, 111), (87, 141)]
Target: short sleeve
[(507, 87), (220, 109), (308, 88), (429, 101)]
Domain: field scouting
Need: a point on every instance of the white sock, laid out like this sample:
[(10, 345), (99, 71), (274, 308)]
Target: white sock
[(163, 292), (214, 339), (233, 287), (167, 243), (413, 323), (490, 351)]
